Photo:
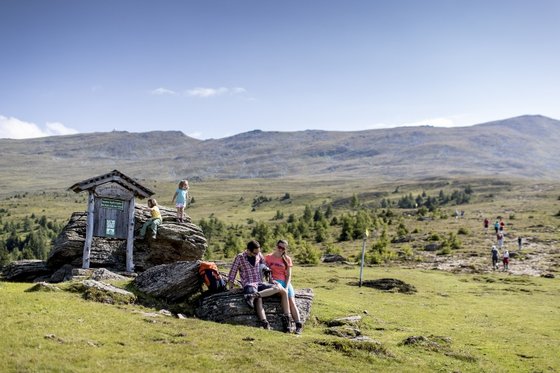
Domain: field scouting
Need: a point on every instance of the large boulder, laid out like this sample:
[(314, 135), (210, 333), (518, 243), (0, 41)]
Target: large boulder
[(230, 307), (173, 283), (26, 270), (175, 242)]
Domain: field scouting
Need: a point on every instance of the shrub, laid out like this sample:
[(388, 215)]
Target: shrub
[(434, 237), (308, 254), (463, 231)]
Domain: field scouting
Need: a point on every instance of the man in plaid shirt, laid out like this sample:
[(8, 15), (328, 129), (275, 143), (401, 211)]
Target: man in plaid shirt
[(249, 264)]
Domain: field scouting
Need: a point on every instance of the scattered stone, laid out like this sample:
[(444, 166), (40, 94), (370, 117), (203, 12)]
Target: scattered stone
[(432, 343), (548, 275), (43, 286), (102, 274), (54, 338), (64, 273), (351, 346), (333, 258), (104, 293), (432, 247), (349, 320), (389, 284), (344, 331)]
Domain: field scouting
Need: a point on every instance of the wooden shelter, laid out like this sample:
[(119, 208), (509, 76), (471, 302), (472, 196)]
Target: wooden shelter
[(110, 211)]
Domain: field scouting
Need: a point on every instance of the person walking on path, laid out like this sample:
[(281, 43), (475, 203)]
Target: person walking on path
[(154, 221), (505, 260), (486, 224), (280, 265), (519, 243), (248, 264), (181, 198), (495, 255), (500, 238)]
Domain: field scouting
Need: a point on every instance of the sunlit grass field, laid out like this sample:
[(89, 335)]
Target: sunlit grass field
[(491, 322)]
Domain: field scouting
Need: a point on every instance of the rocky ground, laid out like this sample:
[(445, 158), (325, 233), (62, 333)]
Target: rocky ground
[(536, 258)]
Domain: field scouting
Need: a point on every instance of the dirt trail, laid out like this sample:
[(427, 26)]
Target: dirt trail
[(535, 259)]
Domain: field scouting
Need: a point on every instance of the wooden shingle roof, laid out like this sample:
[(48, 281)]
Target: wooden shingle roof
[(114, 176)]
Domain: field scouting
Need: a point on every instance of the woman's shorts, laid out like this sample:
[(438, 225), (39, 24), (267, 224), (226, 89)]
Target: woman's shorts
[(180, 205), (291, 293)]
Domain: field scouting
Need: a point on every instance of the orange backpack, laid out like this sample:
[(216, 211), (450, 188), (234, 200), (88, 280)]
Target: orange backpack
[(211, 277)]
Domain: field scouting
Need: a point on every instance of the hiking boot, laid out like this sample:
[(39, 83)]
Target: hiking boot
[(286, 323), (265, 324), (299, 327)]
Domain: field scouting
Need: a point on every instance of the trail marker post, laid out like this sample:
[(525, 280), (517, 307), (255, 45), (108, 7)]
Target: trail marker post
[(366, 235)]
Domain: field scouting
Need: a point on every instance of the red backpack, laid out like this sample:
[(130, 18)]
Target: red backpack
[(211, 277)]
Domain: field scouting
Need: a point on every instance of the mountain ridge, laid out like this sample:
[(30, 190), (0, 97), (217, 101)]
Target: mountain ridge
[(524, 146)]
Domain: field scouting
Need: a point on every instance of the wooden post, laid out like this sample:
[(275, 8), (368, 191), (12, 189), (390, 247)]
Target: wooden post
[(366, 234), (89, 231), (130, 238)]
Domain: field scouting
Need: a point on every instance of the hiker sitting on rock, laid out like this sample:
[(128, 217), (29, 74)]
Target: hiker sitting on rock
[(153, 222), (248, 264)]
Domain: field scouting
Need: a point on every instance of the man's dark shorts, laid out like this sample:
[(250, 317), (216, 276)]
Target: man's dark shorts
[(253, 288)]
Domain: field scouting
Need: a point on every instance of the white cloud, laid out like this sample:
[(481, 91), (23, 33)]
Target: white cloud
[(436, 122), (162, 91), (13, 128), (57, 128), (195, 135), (213, 92)]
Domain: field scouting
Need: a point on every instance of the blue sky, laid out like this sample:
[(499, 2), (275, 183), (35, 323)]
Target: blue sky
[(213, 69)]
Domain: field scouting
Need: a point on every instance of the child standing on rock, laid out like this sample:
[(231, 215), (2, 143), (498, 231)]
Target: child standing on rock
[(180, 198)]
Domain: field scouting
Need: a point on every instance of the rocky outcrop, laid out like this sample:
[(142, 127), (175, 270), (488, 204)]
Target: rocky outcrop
[(171, 282), (230, 307), (175, 242), (26, 270), (102, 292)]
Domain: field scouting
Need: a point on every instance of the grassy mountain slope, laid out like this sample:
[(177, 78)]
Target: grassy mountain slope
[(525, 146)]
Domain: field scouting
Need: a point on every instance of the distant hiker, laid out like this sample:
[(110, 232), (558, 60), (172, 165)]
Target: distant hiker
[(181, 198), (456, 214), (486, 224), (154, 221), (505, 260), (248, 264), (519, 243), (500, 238), (497, 226), (495, 255), (281, 266), (502, 225)]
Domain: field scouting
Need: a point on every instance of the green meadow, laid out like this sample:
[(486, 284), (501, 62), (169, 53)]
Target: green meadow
[(490, 323), (463, 317)]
